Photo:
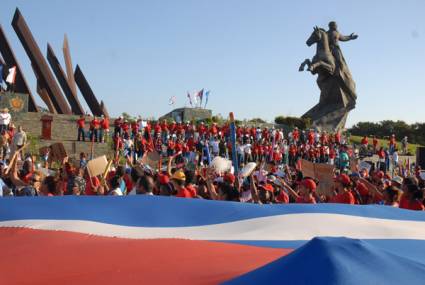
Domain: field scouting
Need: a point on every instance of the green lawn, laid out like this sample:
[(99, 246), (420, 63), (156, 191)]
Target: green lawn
[(384, 143)]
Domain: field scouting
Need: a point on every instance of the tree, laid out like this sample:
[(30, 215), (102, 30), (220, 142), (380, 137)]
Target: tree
[(127, 116), (257, 121), (291, 122), (415, 132)]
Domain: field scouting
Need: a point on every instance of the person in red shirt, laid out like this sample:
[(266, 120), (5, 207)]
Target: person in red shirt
[(375, 144), (266, 134), (305, 195), (213, 130), (202, 130), (117, 125), (173, 127), (332, 155), (93, 187), (381, 153), (171, 147), (81, 122), (179, 130), (324, 138), (292, 155), (283, 197), (295, 135), (118, 145), (178, 180), (125, 127), (157, 130), (104, 129), (343, 193), (94, 129), (412, 196), (337, 137), (134, 128), (310, 137), (164, 131)]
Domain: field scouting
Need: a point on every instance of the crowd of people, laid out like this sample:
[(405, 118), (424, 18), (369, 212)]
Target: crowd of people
[(185, 167)]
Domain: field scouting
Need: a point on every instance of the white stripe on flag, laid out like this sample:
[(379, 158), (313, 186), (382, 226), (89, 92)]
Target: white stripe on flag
[(288, 227)]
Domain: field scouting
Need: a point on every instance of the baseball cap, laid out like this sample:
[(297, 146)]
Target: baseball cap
[(229, 178), (267, 187), (179, 175), (397, 179), (344, 179), (309, 184)]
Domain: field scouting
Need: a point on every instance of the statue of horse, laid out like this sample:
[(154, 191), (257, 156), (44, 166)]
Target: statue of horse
[(323, 61)]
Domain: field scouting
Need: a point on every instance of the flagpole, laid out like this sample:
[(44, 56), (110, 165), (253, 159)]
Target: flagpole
[(233, 142)]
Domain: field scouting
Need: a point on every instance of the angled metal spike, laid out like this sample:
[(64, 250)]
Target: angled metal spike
[(68, 65), (40, 65), (61, 77), (21, 85), (87, 92)]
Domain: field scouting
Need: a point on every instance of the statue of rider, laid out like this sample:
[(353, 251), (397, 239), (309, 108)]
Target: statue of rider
[(341, 69)]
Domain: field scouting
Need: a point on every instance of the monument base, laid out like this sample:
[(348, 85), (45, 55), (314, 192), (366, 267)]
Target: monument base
[(328, 118), (182, 115)]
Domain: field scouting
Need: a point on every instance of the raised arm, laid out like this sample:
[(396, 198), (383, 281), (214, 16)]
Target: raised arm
[(13, 172), (372, 188), (254, 190), (289, 188), (210, 186), (343, 38)]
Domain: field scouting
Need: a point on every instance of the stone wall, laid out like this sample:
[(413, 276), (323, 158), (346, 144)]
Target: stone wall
[(187, 114), (64, 129)]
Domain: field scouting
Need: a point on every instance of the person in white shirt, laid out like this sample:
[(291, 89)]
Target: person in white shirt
[(395, 158), (5, 119), (214, 143), (20, 138), (247, 151)]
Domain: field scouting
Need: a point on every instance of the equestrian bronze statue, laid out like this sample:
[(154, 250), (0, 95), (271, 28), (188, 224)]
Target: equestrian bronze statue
[(337, 87)]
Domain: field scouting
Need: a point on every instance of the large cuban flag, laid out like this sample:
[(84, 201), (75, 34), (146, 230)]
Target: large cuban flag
[(162, 240)]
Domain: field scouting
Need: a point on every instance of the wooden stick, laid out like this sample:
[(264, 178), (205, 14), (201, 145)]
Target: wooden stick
[(14, 157)]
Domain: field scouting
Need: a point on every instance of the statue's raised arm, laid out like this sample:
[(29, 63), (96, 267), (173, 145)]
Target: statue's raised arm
[(335, 35)]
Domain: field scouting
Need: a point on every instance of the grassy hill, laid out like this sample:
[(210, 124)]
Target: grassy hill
[(384, 143)]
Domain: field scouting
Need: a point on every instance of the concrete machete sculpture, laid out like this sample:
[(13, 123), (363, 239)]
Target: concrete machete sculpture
[(337, 88)]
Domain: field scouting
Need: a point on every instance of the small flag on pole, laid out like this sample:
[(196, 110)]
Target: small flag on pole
[(195, 98), (200, 96), (12, 75), (172, 100), (190, 98), (207, 94)]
